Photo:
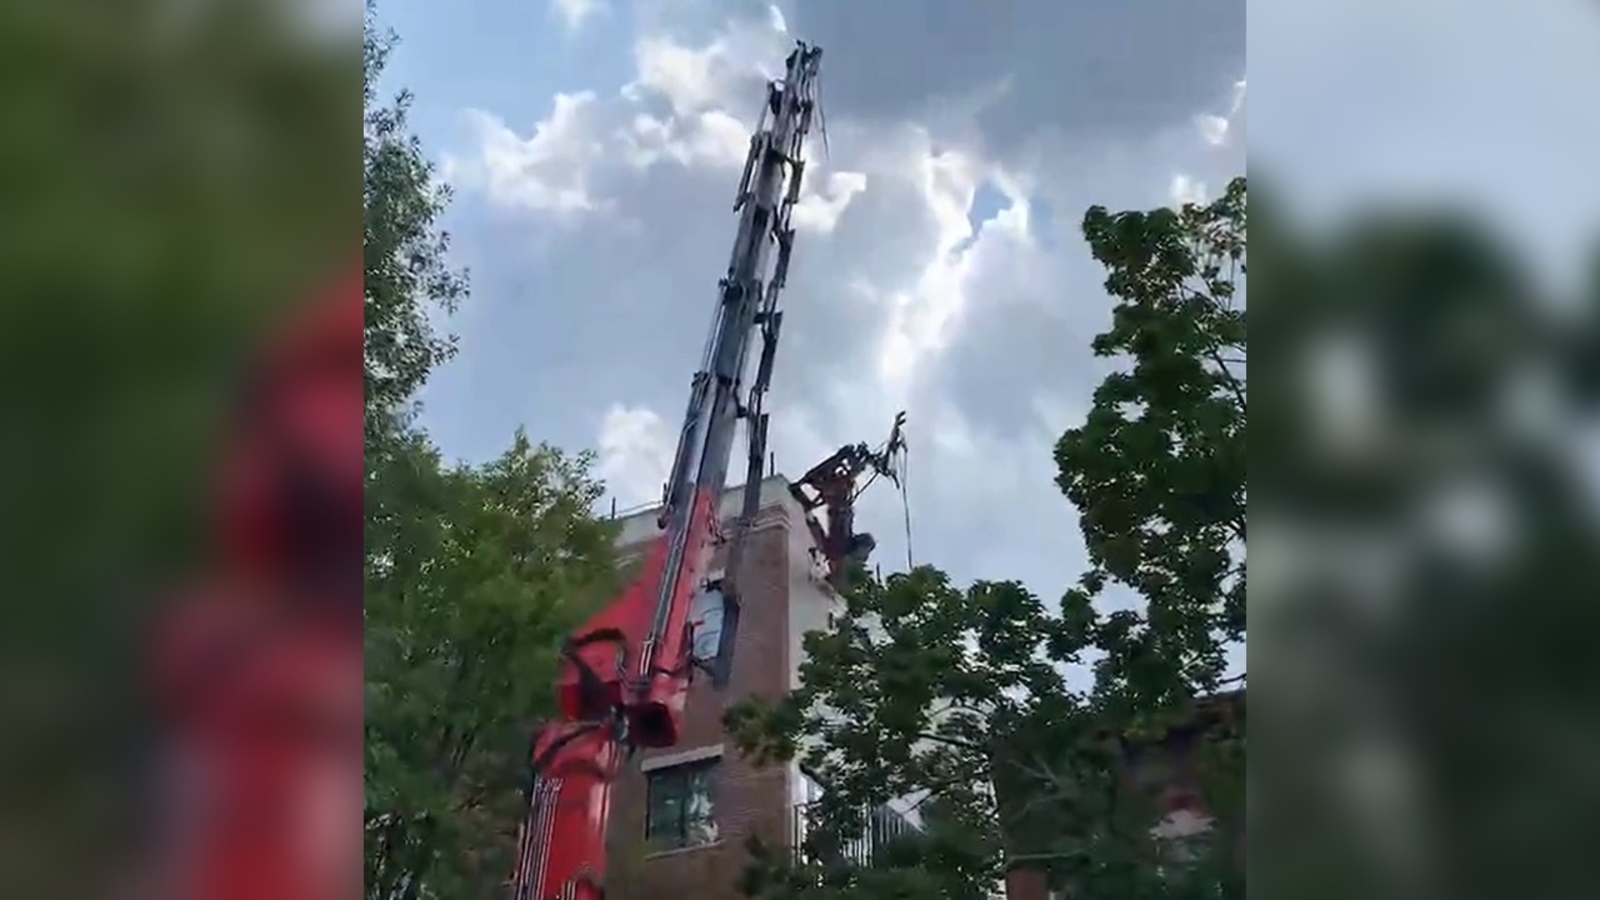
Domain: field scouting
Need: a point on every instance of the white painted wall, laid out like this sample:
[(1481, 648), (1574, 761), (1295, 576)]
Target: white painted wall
[(811, 600), (640, 524)]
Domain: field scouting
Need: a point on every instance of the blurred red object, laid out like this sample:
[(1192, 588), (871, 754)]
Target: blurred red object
[(258, 671), (291, 496)]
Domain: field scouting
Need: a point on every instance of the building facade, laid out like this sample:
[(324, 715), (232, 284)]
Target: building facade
[(680, 817)]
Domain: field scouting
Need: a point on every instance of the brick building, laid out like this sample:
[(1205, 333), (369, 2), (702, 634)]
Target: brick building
[(680, 817)]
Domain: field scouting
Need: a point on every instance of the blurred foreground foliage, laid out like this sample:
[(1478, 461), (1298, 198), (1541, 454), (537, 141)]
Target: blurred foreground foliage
[(1425, 493), (172, 179), (170, 184)]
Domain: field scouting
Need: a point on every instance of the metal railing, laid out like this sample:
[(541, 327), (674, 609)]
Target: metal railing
[(883, 826)]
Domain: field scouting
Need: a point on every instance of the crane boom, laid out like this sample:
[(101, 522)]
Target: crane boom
[(626, 671)]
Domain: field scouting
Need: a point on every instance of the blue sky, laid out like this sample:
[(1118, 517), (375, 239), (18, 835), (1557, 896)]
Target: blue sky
[(939, 269)]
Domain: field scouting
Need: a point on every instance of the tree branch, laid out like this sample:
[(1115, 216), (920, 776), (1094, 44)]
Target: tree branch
[(1232, 381), (949, 741), (1214, 351)]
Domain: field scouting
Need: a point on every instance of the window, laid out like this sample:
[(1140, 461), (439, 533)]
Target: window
[(680, 810), (705, 618)]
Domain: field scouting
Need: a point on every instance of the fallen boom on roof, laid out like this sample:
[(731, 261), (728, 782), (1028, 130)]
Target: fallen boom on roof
[(834, 484)]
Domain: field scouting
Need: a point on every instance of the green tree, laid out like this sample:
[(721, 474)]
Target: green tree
[(406, 270), (957, 696), (473, 573), (473, 576), (1157, 471)]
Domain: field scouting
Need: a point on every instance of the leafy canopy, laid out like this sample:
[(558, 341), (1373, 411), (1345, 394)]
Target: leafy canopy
[(473, 576), (406, 270)]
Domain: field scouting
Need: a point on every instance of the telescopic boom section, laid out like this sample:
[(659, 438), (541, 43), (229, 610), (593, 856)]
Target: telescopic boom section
[(626, 671)]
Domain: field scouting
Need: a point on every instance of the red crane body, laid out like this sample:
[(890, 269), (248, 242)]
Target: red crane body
[(626, 671)]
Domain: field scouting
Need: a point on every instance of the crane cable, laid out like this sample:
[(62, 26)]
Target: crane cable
[(822, 116), (905, 501), (898, 468)]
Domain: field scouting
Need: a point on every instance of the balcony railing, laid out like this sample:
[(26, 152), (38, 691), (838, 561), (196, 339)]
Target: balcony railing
[(883, 826)]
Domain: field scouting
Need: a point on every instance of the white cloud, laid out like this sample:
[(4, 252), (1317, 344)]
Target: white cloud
[(719, 139), (636, 449), (925, 310), (573, 13), (712, 138), (701, 86), (717, 73), (549, 171), (1216, 130), (779, 24), (685, 77), (818, 212), (1213, 129), (1184, 189), (546, 172)]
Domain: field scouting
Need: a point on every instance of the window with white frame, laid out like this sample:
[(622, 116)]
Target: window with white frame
[(680, 809)]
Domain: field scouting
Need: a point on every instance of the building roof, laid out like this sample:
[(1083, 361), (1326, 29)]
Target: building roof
[(639, 522)]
